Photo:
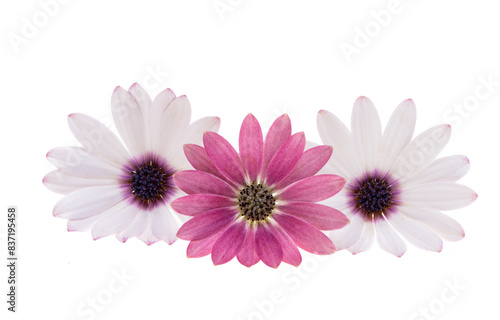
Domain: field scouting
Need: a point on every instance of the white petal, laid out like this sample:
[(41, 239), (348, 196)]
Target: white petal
[(142, 97), (444, 226), (333, 168), (147, 236), (129, 121), (388, 239), (340, 201), (83, 224), (97, 139), (175, 119), (193, 134), (365, 240), (78, 162), (397, 134), (347, 236), (416, 233), (163, 224), (310, 144), (447, 169), (116, 220), (158, 108), (366, 131), (135, 228), (144, 101), (87, 202), (439, 195), (421, 151), (63, 183), (86, 223), (334, 133), (182, 218)]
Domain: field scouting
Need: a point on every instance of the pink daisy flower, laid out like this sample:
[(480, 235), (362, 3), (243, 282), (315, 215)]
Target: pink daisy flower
[(259, 204), (126, 190), (395, 185)]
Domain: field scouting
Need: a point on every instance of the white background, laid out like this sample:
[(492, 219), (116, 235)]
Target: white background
[(264, 57)]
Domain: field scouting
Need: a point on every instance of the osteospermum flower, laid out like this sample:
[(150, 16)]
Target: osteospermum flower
[(126, 190), (258, 204), (395, 186)]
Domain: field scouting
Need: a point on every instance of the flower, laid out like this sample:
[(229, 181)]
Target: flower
[(126, 191), (259, 204), (394, 184)]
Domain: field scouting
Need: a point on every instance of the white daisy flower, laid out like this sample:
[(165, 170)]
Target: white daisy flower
[(395, 185), (126, 190)]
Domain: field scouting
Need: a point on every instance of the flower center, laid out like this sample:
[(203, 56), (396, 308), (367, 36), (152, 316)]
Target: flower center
[(256, 202), (149, 182), (373, 196)]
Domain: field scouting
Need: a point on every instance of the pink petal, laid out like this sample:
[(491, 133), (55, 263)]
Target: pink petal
[(280, 131), (247, 255), (224, 157), (207, 224), (268, 247), (309, 164), (291, 254), (305, 235), (196, 182), (229, 243), (201, 248), (251, 146), (199, 203), (313, 189), (199, 159), (285, 158), (318, 215)]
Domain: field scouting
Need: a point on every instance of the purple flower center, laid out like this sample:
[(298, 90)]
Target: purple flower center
[(256, 202), (149, 182), (374, 196)]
